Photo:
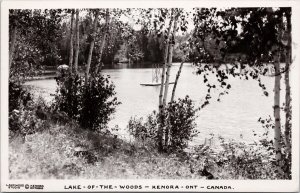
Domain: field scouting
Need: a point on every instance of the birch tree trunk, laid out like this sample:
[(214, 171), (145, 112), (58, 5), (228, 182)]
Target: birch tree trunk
[(277, 129), (169, 65), (71, 43), (12, 46), (88, 65), (77, 42), (161, 107), (176, 81), (168, 76), (106, 31), (288, 115)]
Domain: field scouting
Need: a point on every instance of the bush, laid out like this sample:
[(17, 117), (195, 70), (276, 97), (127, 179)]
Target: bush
[(238, 160), (179, 126), (26, 120), (22, 118), (286, 159), (91, 104), (69, 95), (17, 96), (144, 131), (250, 162)]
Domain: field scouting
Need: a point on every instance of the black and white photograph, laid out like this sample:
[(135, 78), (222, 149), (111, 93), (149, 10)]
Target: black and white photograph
[(183, 91)]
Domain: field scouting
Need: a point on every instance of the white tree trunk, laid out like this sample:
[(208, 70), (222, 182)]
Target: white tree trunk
[(288, 114), (77, 42), (106, 31), (169, 65), (176, 81), (277, 129), (287, 131), (88, 65), (161, 107), (71, 43), (165, 98)]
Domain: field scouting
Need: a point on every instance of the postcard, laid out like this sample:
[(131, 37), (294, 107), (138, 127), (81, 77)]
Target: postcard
[(150, 96)]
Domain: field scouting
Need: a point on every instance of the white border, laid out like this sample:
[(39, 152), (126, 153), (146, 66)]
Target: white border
[(239, 185)]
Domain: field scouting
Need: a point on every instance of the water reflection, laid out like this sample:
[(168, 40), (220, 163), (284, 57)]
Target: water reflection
[(131, 65)]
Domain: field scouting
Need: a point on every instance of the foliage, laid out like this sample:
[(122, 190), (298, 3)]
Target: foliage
[(27, 60), (230, 159), (45, 155), (144, 131), (250, 162), (90, 104), (25, 120), (17, 96), (22, 117), (114, 41), (242, 36), (37, 32), (286, 160), (42, 39), (97, 105), (68, 97), (180, 125)]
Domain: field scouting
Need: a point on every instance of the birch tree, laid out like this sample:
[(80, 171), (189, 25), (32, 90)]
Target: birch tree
[(277, 129), (176, 81), (161, 104), (77, 42), (92, 43), (260, 40), (71, 42), (164, 22), (13, 39), (169, 65), (288, 115), (103, 40)]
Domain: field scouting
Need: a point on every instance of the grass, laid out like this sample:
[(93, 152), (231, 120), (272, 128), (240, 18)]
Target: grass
[(51, 154), (69, 152)]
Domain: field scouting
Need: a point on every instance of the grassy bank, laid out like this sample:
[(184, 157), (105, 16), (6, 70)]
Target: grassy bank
[(70, 152)]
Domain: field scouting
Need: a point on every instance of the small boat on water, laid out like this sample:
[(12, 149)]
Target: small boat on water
[(154, 84)]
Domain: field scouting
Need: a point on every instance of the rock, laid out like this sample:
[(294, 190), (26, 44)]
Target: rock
[(206, 173), (40, 113)]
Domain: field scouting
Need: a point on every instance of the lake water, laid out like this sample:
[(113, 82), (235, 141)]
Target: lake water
[(235, 115)]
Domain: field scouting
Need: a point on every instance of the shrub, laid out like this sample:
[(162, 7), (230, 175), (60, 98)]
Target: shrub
[(21, 110), (144, 131), (17, 96), (26, 120), (91, 104), (181, 124), (285, 163), (238, 160), (69, 95), (179, 128), (250, 162)]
